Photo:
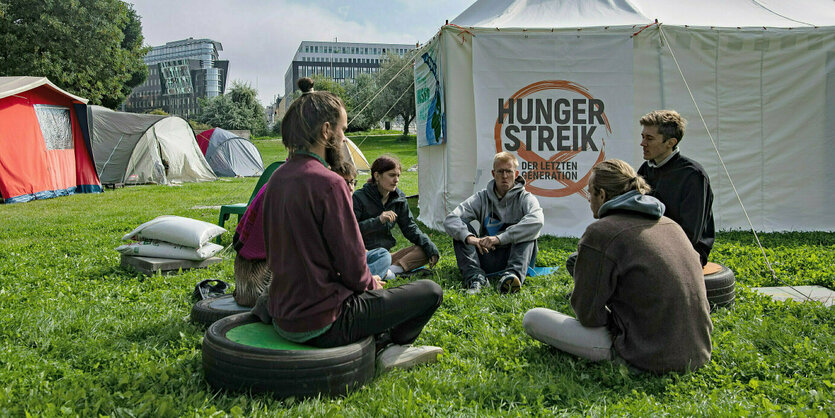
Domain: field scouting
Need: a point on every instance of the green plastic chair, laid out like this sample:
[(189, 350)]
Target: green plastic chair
[(240, 208)]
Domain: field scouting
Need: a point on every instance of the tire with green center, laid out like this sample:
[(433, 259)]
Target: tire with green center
[(721, 286), (207, 311), (240, 353)]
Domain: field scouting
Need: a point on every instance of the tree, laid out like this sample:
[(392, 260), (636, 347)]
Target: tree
[(237, 109), (398, 98), (362, 115), (92, 48)]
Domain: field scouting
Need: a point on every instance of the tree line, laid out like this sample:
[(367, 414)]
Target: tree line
[(371, 99), (94, 49)]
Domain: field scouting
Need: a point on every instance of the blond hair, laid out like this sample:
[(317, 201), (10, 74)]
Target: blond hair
[(617, 177), (506, 157)]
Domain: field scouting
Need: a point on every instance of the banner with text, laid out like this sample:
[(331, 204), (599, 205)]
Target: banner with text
[(430, 117), (561, 104)]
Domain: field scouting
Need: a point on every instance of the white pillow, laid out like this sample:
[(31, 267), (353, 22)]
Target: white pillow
[(167, 250), (176, 230)]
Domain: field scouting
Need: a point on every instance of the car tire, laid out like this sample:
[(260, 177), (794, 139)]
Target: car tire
[(278, 366), (720, 284), (207, 311)]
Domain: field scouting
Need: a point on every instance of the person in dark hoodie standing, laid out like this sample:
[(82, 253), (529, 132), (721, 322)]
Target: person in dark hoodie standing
[(322, 293), (638, 292), (378, 206), (509, 221), (677, 181)]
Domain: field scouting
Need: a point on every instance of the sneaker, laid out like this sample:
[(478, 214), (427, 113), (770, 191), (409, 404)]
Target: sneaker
[(405, 356), (509, 283), (389, 276), (417, 272), (381, 342), (476, 283)]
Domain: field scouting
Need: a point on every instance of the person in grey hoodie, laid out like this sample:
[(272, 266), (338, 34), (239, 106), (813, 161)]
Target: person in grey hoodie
[(639, 293), (509, 221)]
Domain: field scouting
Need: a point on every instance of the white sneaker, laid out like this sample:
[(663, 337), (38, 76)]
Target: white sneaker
[(404, 356), (389, 276)]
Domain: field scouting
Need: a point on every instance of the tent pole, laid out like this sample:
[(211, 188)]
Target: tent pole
[(662, 95)]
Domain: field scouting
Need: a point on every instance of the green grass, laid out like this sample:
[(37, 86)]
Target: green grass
[(373, 145), (80, 336)]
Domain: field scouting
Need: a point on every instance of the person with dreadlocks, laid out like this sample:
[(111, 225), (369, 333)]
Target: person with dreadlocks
[(322, 292)]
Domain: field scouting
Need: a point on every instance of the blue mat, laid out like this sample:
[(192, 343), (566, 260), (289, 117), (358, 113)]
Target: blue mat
[(541, 271)]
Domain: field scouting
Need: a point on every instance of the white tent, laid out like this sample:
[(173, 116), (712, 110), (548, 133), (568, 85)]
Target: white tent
[(357, 157), (134, 148), (762, 74)]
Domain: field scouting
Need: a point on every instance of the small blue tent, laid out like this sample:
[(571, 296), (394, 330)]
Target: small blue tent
[(230, 155)]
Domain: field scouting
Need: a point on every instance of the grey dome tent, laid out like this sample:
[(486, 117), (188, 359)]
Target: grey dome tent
[(229, 155), (134, 148)]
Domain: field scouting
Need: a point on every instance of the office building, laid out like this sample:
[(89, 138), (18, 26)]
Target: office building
[(340, 61), (179, 73)]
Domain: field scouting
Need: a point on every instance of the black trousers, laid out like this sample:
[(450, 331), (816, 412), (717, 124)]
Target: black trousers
[(401, 311)]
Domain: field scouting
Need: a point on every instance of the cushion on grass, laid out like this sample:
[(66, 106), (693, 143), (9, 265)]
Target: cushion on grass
[(161, 249), (176, 230)]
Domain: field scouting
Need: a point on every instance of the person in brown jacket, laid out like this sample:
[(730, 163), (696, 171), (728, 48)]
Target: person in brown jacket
[(639, 293)]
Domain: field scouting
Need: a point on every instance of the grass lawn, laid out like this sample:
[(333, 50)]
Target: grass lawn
[(81, 336)]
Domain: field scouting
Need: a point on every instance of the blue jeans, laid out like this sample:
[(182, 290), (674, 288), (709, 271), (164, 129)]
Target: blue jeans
[(378, 260)]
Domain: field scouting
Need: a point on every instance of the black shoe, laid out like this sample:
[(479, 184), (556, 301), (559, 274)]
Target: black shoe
[(476, 283), (209, 289), (509, 283), (418, 272)]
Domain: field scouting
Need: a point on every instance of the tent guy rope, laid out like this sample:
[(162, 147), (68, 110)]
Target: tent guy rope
[(724, 167), (408, 64), (392, 107)]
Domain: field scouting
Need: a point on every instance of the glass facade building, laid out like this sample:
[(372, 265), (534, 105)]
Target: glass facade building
[(179, 73)]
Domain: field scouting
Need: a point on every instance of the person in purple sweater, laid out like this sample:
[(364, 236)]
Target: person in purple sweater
[(252, 274), (322, 292)]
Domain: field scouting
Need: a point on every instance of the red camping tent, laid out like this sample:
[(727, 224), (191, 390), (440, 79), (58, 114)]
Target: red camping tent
[(43, 152), (203, 139)]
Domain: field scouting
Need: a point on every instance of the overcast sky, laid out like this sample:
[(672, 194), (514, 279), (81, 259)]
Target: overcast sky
[(260, 37)]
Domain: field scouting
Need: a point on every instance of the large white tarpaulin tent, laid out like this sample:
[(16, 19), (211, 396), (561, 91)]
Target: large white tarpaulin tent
[(562, 84)]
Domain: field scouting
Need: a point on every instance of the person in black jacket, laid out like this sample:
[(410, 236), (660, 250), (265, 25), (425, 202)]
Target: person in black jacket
[(677, 181), (379, 205)]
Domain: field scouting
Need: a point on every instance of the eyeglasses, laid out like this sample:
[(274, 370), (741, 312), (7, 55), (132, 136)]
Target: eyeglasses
[(352, 183)]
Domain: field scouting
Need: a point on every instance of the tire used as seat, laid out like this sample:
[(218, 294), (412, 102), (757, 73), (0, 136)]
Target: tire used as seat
[(285, 368), (721, 286)]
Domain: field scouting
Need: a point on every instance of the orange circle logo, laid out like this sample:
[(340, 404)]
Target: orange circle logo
[(556, 139)]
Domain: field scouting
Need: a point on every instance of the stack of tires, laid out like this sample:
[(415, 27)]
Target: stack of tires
[(240, 353)]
